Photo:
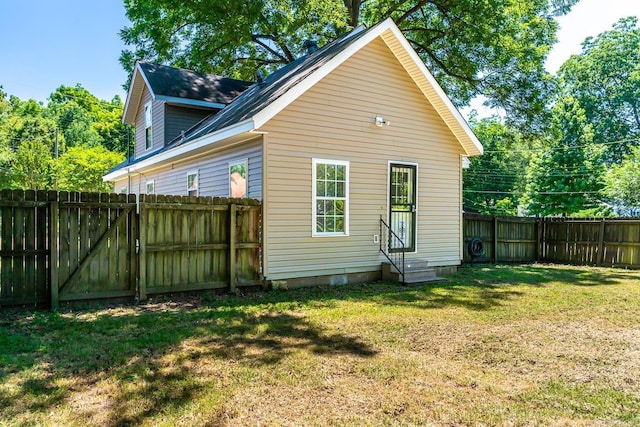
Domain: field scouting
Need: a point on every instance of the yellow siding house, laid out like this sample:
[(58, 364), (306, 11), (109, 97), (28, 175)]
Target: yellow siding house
[(354, 150)]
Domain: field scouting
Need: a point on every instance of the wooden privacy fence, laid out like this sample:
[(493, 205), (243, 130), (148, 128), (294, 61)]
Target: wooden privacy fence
[(58, 247), (603, 241)]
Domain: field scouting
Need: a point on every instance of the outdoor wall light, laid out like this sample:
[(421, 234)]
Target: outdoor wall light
[(380, 121)]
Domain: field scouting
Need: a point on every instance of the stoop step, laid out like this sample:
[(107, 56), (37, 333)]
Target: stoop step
[(415, 271)]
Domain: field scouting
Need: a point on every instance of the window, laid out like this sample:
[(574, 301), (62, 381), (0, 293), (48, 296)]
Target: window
[(123, 190), (192, 183), (238, 178), (330, 197), (148, 135), (151, 187)]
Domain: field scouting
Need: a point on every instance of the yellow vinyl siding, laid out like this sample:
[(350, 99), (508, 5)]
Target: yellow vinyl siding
[(334, 120)]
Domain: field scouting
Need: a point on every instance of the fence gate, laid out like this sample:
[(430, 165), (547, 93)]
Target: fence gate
[(95, 251)]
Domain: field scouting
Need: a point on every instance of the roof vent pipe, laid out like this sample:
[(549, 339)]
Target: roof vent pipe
[(310, 46)]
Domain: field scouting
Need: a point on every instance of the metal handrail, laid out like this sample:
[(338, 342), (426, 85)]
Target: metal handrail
[(395, 258)]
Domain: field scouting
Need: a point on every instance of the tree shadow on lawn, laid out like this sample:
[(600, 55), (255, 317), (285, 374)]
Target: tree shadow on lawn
[(131, 346), (152, 352)]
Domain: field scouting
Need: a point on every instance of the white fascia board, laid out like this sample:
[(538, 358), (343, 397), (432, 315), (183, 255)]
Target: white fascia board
[(135, 82), (181, 150), (187, 101), (438, 89), (279, 104)]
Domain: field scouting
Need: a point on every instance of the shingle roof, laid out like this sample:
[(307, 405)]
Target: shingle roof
[(173, 82), (257, 97), (256, 101), (260, 95)]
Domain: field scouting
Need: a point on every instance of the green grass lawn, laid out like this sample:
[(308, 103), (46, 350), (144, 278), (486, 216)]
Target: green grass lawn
[(504, 345)]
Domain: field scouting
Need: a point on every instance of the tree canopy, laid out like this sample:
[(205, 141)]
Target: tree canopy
[(563, 177), (623, 181), (494, 48), (66, 145), (605, 81), (494, 181), (585, 162)]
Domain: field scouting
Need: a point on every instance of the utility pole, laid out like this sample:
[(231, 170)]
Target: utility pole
[(55, 153)]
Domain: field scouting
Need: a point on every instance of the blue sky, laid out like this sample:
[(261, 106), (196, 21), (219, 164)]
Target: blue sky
[(48, 43)]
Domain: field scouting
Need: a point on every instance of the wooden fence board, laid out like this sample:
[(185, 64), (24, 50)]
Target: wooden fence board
[(17, 257), (44, 263), (6, 244), (71, 246), (30, 246), (606, 242)]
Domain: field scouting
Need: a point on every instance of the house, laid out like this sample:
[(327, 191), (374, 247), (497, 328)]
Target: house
[(350, 134)]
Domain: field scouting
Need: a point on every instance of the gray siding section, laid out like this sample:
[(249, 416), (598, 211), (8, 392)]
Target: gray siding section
[(178, 119), (157, 125), (213, 172)]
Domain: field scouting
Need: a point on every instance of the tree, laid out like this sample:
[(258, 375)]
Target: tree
[(494, 47), (87, 120), (494, 181), (74, 124), (82, 168), (6, 152), (563, 177), (33, 135), (31, 166), (605, 81), (623, 181), (32, 139)]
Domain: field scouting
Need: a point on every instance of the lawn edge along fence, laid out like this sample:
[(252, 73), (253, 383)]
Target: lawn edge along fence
[(65, 246), (607, 242)]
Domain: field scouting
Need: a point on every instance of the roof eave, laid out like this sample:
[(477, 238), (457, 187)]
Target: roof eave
[(430, 87), (191, 102), (174, 154), (136, 88)]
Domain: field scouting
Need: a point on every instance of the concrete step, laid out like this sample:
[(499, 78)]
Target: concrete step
[(415, 271)]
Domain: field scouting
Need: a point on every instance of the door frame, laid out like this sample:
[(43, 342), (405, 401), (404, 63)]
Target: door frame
[(388, 198)]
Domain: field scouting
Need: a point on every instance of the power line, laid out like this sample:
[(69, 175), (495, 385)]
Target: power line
[(570, 147), (537, 192)]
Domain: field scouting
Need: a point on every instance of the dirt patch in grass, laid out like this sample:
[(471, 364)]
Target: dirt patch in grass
[(518, 345)]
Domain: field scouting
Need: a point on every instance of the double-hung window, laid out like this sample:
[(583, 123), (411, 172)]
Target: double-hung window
[(151, 187), (148, 135), (192, 183), (330, 197), (238, 178)]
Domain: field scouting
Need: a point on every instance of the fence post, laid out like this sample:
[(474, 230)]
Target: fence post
[(495, 240), (142, 249), (538, 239), (134, 240), (232, 248), (53, 248), (600, 258)]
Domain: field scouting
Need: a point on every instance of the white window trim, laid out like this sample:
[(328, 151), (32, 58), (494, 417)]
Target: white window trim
[(232, 163), (314, 164), (148, 124), (197, 181), (151, 183)]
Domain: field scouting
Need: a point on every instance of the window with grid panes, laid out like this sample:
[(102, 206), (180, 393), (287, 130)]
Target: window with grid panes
[(330, 197)]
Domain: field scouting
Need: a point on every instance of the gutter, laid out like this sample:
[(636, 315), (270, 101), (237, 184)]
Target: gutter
[(173, 153)]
